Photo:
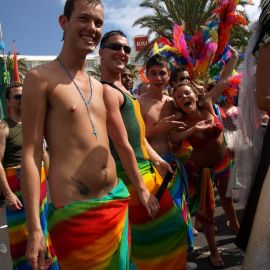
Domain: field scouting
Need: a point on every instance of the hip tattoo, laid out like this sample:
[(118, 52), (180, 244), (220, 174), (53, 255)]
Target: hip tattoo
[(83, 188)]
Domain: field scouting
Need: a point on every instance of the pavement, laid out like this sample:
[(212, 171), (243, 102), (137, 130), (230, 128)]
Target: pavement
[(230, 254)]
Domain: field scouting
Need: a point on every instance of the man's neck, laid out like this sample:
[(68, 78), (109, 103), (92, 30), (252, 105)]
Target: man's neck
[(155, 93), (72, 62), (107, 75)]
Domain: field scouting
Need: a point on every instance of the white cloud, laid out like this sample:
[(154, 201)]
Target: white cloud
[(123, 14)]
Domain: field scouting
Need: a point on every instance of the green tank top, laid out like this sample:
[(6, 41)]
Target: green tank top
[(13, 150), (132, 118)]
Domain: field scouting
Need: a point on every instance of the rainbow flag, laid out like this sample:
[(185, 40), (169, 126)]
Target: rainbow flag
[(16, 222), (159, 243), (92, 234)]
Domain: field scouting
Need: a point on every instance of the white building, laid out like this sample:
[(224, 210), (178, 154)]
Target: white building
[(91, 59)]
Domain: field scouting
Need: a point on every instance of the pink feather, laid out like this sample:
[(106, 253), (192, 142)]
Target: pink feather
[(180, 42)]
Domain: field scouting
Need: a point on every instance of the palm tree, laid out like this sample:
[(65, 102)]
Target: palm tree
[(133, 71), (95, 72), (191, 13)]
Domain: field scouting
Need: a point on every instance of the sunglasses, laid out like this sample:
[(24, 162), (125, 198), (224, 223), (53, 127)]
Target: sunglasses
[(185, 78), (117, 47), (17, 97)]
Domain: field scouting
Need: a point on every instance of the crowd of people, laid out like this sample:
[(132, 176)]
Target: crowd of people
[(127, 169)]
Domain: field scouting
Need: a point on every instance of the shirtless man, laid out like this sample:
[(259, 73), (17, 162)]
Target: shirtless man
[(158, 110), (64, 105), (166, 227)]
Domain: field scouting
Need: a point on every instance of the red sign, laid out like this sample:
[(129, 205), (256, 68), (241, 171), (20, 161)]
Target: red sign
[(140, 42)]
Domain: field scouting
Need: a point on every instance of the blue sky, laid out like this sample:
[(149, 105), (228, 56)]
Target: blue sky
[(34, 23)]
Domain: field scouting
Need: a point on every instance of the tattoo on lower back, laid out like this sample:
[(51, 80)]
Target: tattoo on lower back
[(83, 189)]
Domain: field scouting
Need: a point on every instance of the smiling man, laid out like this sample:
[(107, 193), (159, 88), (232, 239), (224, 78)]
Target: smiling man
[(157, 230), (158, 112), (88, 221)]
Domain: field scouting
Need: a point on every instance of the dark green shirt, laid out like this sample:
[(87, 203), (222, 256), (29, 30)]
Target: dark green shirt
[(13, 150)]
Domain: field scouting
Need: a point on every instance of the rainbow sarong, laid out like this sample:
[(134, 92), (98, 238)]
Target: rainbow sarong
[(222, 169), (159, 243), (16, 222), (201, 192), (92, 234), (178, 189)]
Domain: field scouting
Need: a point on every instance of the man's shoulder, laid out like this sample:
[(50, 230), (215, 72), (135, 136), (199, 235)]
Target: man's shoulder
[(4, 129), (145, 98), (43, 71)]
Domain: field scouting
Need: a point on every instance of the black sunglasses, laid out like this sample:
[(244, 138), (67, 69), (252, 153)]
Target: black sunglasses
[(185, 78), (17, 97), (117, 47)]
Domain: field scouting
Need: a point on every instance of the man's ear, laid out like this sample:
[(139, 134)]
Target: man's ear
[(63, 22)]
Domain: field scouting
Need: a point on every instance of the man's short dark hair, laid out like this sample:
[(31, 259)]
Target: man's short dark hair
[(175, 72), (113, 33), (9, 87), (157, 60), (69, 6)]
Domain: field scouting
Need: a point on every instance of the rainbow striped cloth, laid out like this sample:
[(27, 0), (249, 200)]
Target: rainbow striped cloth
[(16, 222), (159, 243), (201, 192), (178, 189), (92, 234)]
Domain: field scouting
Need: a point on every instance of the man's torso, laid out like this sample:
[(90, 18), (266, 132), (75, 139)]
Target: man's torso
[(81, 165)]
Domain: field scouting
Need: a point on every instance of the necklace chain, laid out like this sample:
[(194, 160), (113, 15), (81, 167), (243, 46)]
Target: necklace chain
[(86, 102)]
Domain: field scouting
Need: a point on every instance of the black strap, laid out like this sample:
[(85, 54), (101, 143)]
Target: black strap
[(112, 85), (117, 88)]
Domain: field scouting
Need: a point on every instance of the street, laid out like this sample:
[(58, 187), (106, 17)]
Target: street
[(231, 255)]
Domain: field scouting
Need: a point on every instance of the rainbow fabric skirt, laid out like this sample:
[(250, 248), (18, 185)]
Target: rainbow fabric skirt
[(159, 243), (178, 189), (201, 192), (16, 222), (92, 234)]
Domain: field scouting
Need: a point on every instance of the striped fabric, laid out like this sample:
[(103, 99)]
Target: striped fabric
[(201, 192), (223, 168), (16, 222), (184, 151), (159, 243), (92, 234), (178, 189)]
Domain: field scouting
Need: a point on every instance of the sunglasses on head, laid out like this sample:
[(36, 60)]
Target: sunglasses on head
[(17, 97), (117, 47), (185, 78)]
